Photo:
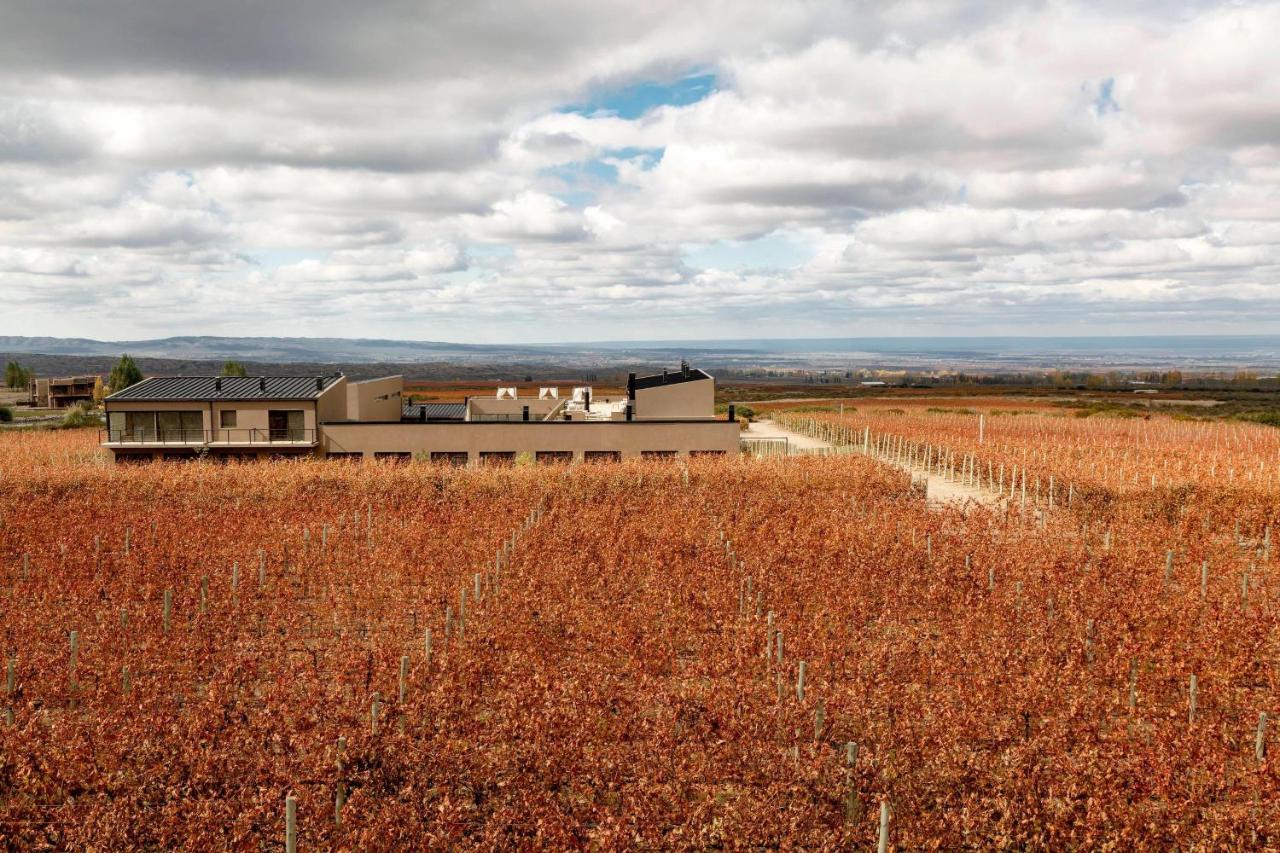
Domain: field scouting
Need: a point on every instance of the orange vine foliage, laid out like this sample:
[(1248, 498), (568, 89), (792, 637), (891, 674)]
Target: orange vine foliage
[(610, 688)]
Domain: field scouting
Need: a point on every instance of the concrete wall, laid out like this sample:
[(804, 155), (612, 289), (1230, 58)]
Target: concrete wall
[(372, 400), (693, 399), (332, 403), (519, 437), (40, 393), (479, 407)]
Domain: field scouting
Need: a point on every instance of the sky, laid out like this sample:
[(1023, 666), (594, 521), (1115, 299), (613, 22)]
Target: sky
[(570, 170)]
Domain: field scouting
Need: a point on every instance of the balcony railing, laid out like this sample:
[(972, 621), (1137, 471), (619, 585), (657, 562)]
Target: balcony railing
[(202, 437)]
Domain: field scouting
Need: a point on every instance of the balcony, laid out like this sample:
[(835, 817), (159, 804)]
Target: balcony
[(147, 438)]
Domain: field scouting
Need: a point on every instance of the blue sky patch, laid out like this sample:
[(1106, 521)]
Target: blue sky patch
[(1106, 102), (275, 258), (775, 251), (583, 178), (633, 101)]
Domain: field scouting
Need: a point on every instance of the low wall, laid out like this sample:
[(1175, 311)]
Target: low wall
[(630, 438)]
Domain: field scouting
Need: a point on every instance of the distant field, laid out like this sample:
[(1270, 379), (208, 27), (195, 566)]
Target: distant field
[(1263, 406), (20, 412)]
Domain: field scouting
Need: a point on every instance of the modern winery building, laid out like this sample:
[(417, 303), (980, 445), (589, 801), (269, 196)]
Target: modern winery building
[(666, 414)]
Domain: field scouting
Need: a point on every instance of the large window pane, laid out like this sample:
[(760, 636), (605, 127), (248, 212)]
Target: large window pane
[(139, 426), (180, 426), (286, 424)]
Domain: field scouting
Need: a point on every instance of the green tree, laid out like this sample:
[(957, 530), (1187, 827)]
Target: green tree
[(124, 374), (16, 376), (233, 368)]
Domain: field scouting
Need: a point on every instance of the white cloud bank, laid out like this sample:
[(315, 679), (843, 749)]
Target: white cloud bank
[(396, 169)]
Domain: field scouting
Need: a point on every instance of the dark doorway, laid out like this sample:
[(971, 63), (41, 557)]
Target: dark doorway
[(285, 425)]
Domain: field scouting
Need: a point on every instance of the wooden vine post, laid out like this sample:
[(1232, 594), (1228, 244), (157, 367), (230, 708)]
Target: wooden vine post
[(340, 797), (290, 824)]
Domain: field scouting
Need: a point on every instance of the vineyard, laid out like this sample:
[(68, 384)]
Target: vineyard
[(795, 651)]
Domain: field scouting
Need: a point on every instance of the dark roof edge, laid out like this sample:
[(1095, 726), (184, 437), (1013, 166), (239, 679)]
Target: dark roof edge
[(312, 398), (674, 377), (376, 379)]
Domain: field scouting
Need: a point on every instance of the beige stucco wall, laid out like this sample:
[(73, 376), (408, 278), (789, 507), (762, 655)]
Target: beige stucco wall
[(694, 399), (519, 437), (363, 403), (538, 409), (250, 414), (332, 403)]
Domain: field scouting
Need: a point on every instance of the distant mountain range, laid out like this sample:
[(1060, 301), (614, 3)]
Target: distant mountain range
[(314, 350), (1196, 352)]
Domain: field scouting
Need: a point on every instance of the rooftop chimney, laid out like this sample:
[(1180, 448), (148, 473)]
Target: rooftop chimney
[(664, 376), (262, 384), (586, 401), (732, 413), (319, 383), (631, 386), (217, 384), (422, 413)]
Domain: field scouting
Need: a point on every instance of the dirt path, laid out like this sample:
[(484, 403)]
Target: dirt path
[(939, 490), (769, 431)]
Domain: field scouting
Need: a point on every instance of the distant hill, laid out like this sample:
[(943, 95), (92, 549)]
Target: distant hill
[(277, 350), (42, 364), (979, 354)]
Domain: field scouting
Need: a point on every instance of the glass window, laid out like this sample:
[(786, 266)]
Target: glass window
[(449, 457), (132, 426), (285, 425), (180, 426), (227, 418)]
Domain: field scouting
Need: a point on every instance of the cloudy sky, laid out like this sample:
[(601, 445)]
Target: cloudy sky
[(557, 170)]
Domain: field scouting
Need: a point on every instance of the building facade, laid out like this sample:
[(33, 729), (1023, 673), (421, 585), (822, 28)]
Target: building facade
[(62, 393), (670, 414)]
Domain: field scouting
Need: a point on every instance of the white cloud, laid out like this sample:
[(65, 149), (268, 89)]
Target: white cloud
[(948, 165)]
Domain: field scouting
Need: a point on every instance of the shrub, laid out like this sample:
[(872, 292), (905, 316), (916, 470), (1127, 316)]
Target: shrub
[(740, 411), (80, 415), (1268, 418), (6, 414)]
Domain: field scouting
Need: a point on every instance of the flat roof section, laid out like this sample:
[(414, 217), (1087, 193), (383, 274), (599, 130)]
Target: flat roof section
[(672, 377), (434, 411), (211, 388)]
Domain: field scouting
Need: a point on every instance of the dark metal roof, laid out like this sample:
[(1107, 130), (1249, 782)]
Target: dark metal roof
[(204, 388), (672, 377), (435, 411)]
